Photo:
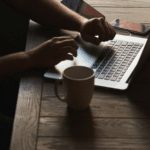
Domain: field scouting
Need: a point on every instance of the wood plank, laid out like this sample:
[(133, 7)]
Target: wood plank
[(119, 3), (91, 127), (133, 103), (139, 15), (27, 114), (99, 108), (52, 143), (25, 125)]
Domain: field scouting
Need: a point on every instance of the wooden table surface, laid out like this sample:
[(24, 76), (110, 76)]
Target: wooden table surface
[(114, 120)]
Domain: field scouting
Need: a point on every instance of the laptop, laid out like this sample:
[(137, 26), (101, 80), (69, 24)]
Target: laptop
[(115, 62)]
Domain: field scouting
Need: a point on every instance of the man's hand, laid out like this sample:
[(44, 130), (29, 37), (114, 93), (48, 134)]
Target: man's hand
[(97, 26), (53, 51)]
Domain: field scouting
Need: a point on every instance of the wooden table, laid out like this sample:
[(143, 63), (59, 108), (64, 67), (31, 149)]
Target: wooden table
[(115, 119)]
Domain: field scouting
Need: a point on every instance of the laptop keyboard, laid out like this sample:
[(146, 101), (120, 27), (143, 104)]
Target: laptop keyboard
[(115, 59)]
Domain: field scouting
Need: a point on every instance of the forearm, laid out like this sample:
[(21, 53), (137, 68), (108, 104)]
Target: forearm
[(51, 13), (54, 14), (12, 64)]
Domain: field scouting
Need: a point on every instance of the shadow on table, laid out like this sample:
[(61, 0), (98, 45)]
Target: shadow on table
[(139, 95), (80, 125), (138, 92)]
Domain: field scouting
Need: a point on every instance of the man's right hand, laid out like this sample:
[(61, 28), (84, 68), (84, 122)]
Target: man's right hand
[(52, 52)]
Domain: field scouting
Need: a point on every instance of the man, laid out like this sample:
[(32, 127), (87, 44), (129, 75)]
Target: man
[(52, 13)]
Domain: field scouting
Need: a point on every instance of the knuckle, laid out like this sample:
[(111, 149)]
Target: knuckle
[(101, 19), (72, 40), (95, 21), (68, 37), (54, 39)]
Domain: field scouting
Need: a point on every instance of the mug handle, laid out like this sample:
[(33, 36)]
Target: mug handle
[(56, 91)]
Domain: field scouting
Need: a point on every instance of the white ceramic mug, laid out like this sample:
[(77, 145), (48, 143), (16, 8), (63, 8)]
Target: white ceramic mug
[(78, 86)]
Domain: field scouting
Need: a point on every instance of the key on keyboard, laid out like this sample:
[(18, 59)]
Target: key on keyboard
[(115, 59)]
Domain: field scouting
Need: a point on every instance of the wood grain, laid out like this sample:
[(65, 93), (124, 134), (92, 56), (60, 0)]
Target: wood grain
[(119, 3), (27, 113), (28, 103), (139, 15), (92, 127), (133, 103), (54, 143)]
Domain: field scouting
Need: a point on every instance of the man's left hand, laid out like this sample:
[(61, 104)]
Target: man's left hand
[(97, 26)]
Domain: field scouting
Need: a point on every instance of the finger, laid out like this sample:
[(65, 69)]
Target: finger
[(68, 57), (68, 49), (65, 57), (107, 30), (110, 34), (99, 29), (92, 39), (112, 31), (68, 42), (61, 38)]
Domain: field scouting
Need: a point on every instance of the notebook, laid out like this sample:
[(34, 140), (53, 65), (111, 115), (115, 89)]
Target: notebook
[(115, 62)]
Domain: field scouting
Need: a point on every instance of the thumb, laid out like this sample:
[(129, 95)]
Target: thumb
[(66, 57), (92, 39)]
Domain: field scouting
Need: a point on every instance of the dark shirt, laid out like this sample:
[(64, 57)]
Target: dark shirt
[(13, 29), (13, 33)]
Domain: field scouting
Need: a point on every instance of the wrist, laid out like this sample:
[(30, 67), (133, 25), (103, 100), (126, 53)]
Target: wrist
[(82, 22), (30, 59)]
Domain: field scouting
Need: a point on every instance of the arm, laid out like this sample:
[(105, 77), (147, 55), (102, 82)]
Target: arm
[(51, 13), (46, 55), (12, 64)]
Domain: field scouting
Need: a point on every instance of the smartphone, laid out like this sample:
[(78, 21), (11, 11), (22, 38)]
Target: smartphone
[(136, 28)]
